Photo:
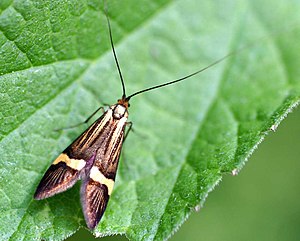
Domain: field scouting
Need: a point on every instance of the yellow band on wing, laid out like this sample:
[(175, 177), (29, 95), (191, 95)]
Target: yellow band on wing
[(97, 176), (76, 164)]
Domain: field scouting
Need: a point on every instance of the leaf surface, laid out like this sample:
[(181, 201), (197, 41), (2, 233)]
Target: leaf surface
[(56, 69)]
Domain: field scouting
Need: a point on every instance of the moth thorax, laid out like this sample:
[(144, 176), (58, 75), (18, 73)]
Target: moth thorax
[(120, 111)]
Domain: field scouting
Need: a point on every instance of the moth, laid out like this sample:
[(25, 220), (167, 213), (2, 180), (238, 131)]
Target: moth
[(94, 156)]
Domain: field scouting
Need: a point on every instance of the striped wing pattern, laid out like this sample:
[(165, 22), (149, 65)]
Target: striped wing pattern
[(92, 157)]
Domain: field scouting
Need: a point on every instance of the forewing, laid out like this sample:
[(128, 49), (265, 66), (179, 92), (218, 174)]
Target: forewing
[(94, 200), (98, 185), (60, 176), (74, 162)]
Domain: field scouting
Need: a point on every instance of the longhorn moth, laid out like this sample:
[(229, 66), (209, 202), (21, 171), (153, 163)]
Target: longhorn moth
[(94, 156)]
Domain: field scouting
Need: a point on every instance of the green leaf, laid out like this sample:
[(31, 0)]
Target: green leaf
[(56, 67)]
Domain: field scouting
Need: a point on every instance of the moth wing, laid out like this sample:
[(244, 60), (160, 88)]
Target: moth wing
[(97, 187), (94, 200), (95, 193), (68, 167), (60, 176)]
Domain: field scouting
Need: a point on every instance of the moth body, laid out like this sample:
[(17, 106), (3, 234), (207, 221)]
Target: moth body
[(92, 157)]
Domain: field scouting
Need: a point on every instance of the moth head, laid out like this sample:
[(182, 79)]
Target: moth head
[(120, 109), (124, 101)]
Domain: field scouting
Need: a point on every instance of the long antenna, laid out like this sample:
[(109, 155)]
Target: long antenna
[(180, 79), (234, 52), (114, 52), (192, 74)]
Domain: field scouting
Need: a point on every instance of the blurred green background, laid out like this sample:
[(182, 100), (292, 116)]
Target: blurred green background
[(260, 204)]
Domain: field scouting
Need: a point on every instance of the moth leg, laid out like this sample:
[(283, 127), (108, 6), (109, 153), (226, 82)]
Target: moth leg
[(84, 122), (130, 128), (94, 113)]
